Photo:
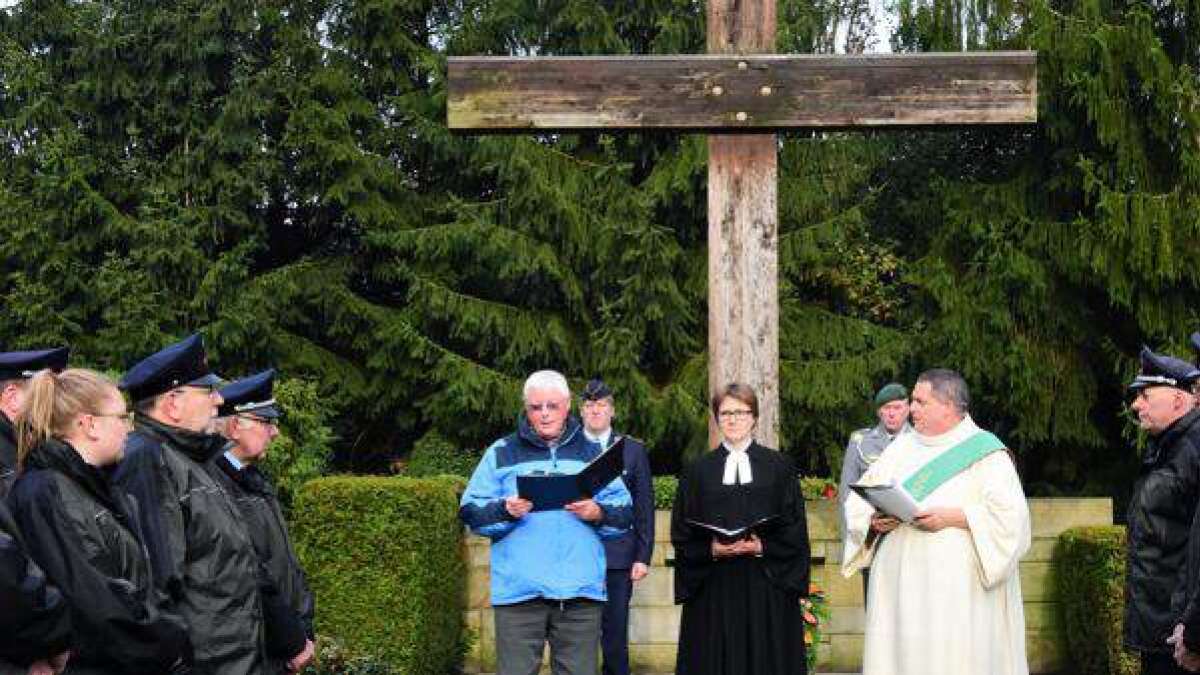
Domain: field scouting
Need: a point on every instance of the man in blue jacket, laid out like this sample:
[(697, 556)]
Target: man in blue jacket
[(548, 571), (628, 556)]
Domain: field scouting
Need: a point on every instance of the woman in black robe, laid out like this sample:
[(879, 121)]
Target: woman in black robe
[(741, 601)]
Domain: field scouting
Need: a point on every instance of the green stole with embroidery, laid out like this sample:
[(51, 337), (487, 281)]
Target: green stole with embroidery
[(951, 463)]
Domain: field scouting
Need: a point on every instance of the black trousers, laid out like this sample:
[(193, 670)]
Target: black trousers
[(614, 624), (1154, 663)]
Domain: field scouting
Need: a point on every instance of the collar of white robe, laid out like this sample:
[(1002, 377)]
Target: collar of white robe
[(737, 464)]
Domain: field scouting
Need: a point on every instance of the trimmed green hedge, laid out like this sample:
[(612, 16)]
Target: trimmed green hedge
[(1089, 564), (383, 558)]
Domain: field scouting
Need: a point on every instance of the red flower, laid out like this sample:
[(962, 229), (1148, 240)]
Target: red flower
[(829, 492)]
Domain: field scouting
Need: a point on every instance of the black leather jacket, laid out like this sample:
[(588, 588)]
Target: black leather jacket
[(8, 455), (288, 604), (200, 553), (1160, 519), (83, 532), (35, 621)]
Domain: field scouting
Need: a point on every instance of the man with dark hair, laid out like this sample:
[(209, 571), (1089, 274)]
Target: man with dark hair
[(628, 556), (1161, 508), (199, 550), (15, 370), (945, 590)]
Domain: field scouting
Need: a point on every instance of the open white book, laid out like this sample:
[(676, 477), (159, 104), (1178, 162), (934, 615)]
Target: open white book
[(890, 498)]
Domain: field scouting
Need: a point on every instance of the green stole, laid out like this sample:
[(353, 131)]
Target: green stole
[(951, 463)]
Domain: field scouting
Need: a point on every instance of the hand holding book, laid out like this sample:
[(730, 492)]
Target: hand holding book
[(556, 491)]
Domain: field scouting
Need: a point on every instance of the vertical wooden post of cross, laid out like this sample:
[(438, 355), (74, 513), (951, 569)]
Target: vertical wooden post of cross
[(743, 280)]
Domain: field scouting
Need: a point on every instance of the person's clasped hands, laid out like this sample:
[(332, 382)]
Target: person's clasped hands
[(749, 546)]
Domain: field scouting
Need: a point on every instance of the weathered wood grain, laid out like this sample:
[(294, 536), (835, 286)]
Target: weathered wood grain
[(743, 278), (740, 94)]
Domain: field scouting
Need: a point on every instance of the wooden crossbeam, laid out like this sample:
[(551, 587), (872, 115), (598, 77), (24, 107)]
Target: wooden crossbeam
[(740, 94)]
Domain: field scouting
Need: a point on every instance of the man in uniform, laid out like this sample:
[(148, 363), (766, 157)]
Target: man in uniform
[(249, 419), (199, 550), (1164, 500), (15, 370), (628, 556), (865, 446)]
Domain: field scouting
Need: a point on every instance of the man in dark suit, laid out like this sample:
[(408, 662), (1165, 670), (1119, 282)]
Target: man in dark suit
[(628, 557)]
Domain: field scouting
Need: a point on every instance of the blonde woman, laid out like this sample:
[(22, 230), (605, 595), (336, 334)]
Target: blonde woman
[(83, 532)]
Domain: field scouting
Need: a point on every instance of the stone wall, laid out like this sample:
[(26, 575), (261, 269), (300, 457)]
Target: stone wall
[(654, 619)]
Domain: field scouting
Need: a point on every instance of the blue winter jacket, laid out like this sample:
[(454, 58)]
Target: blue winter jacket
[(547, 554)]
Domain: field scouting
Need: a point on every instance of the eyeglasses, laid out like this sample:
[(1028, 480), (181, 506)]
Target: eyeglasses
[(552, 406), (261, 420), (735, 414), (126, 417)]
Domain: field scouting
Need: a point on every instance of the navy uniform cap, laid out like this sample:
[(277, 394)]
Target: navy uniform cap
[(250, 396), (22, 365), (181, 364), (595, 390), (1160, 370)]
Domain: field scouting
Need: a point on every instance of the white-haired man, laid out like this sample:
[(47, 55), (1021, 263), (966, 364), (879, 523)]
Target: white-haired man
[(548, 571)]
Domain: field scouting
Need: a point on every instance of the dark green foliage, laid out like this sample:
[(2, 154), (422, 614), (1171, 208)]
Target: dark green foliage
[(1089, 569), (301, 451), (665, 488), (1047, 256), (279, 176), (433, 455), (383, 558)]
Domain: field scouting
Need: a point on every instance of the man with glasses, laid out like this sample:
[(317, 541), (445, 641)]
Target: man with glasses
[(200, 553), (548, 580), (15, 370), (249, 418)]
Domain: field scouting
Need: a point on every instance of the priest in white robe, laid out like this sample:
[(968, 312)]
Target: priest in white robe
[(945, 590)]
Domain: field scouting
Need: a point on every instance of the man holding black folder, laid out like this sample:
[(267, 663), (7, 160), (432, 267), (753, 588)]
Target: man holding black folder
[(628, 556), (548, 577)]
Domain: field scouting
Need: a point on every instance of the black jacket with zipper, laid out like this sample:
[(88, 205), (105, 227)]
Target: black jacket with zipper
[(1159, 522), (83, 532)]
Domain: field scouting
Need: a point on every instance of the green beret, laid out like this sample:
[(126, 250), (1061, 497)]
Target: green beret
[(892, 391)]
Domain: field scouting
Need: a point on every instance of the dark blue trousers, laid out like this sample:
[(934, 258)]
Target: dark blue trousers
[(614, 624)]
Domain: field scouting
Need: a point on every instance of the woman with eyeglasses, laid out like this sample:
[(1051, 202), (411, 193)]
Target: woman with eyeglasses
[(741, 552), (83, 532)]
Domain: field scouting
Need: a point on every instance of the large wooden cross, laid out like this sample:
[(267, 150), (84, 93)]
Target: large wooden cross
[(743, 94)]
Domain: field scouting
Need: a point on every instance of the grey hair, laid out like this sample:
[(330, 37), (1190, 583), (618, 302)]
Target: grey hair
[(546, 379), (948, 387)]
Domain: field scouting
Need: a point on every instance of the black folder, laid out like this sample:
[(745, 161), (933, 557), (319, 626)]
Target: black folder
[(554, 491), (728, 535)]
